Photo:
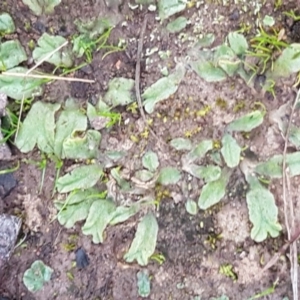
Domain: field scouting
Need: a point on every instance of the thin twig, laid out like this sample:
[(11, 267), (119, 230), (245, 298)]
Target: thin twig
[(282, 250), (288, 206), (292, 232), (27, 75), (46, 57), (138, 70), (137, 82), (20, 116), (45, 76), (293, 246)]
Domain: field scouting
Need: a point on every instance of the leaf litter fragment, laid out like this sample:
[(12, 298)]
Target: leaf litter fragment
[(144, 242), (263, 212)]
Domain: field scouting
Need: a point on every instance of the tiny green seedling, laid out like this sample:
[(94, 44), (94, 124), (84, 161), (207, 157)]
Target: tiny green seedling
[(158, 257), (36, 276), (133, 108), (9, 125), (270, 87), (84, 45), (245, 28), (266, 292), (277, 4), (70, 275), (292, 15), (114, 118), (267, 46), (11, 170), (41, 164), (58, 165), (212, 240), (227, 270)]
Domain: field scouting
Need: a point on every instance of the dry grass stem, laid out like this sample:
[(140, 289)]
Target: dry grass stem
[(288, 206), (46, 76), (46, 57)]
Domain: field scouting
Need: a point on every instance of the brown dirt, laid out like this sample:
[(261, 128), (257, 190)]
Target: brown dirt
[(192, 259)]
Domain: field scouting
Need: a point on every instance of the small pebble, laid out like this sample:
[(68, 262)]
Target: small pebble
[(82, 260), (259, 82), (7, 183), (235, 15), (39, 26), (87, 69)]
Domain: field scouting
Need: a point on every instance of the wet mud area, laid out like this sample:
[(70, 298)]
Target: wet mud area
[(192, 250)]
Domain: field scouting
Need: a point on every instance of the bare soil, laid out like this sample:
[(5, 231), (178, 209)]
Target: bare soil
[(191, 245)]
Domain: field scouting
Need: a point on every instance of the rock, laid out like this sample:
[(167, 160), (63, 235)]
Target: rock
[(235, 15), (9, 231), (82, 260), (5, 152), (295, 32), (3, 103), (7, 183)]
